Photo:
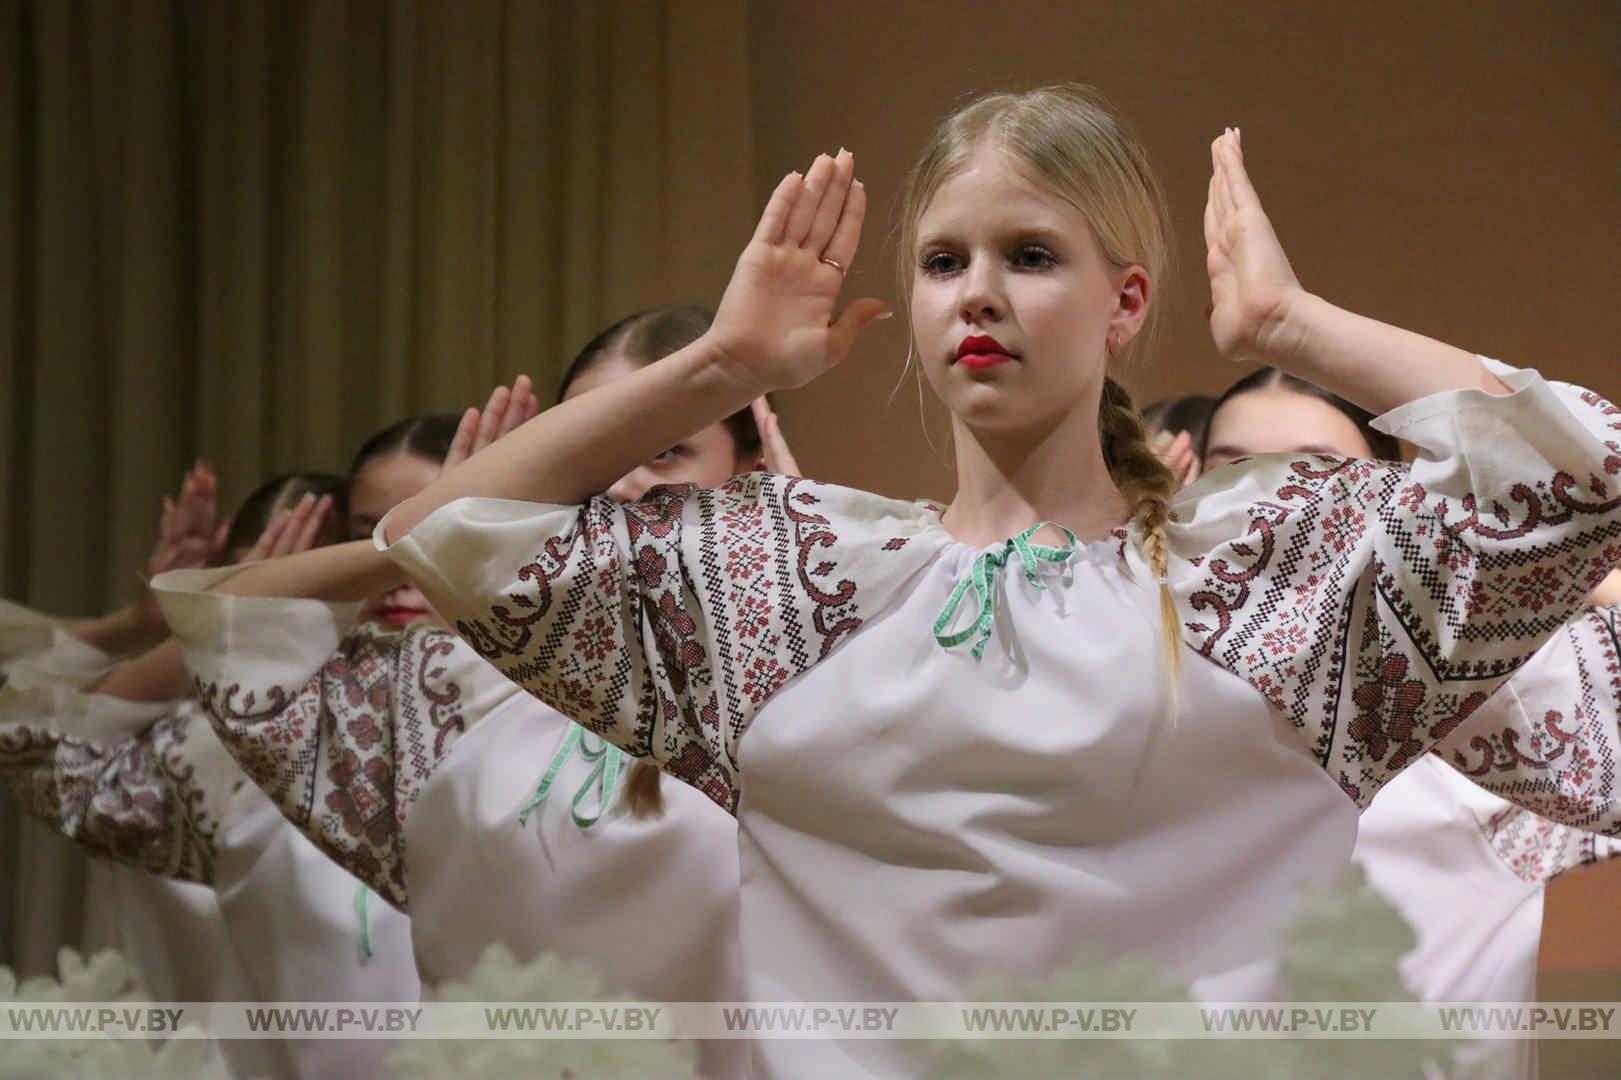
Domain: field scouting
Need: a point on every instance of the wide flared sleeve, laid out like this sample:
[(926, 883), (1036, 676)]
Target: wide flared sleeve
[(144, 783), (1379, 606), (1550, 739), (664, 625), (340, 724)]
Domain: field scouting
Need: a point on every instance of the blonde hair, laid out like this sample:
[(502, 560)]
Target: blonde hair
[(1069, 140)]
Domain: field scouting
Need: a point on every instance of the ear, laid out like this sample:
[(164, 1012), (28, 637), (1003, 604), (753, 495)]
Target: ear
[(1131, 305)]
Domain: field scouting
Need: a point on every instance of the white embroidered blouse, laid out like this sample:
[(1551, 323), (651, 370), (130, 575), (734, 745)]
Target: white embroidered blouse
[(150, 785), (911, 818)]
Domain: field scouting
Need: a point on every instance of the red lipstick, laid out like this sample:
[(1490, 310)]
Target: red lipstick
[(400, 616), (978, 351)]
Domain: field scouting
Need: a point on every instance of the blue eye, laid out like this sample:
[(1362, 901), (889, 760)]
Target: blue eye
[(939, 263), (1034, 257)]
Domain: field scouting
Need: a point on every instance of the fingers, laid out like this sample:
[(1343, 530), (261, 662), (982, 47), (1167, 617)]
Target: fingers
[(1220, 192), (517, 410), (494, 410), (194, 510), (855, 318), (166, 522), (774, 219), (295, 530), (461, 444), (841, 248), (268, 539), (817, 185), (216, 543), (1240, 192), (310, 528), (775, 455), (831, 208)]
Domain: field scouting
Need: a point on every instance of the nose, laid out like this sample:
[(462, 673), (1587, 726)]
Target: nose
[(630, 487), (981, 299)]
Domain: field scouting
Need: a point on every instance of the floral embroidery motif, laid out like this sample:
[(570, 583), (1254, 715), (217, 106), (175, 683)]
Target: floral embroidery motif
[(369, 727), (694, 607), (154, 800), (1379, 612), (1553, 745), (1539, 850)]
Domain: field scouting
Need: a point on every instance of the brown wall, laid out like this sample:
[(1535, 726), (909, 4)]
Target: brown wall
[(1448, 167), (1452, 168)]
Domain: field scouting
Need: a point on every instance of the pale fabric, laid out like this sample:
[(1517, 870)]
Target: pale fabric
[(444, 838), (170, 932), (270, 917), (1468, 869), (1478, 924), (477, 877), (911, 819), (259, 231)]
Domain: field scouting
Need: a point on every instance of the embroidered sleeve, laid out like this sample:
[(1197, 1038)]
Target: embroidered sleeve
[(1550, 740), (340, 729), (1377, 606), (144, 784), (1539, 850), (664, 625)]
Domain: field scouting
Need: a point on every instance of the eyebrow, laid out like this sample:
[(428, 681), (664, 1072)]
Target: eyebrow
[(1237, 451), (1045, 234)]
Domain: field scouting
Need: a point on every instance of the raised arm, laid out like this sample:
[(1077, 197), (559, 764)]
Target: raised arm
[(1379, 606), (1260, 312), (775, 328), (190, 534)]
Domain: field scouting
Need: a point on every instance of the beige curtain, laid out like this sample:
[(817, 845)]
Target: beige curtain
[(258, 231)]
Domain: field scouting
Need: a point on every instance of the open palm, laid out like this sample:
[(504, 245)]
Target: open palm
[(776, 322), (1252, 284)]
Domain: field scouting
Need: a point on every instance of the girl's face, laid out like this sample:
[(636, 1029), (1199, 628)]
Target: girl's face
[(1278, 420), (1014, 304), (380, 485), (707, 459)]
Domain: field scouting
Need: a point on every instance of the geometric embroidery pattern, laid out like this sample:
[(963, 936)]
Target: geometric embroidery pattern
[(1378, 610), (345, 753), (664, 625)]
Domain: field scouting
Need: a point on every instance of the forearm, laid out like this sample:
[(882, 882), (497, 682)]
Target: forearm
[(1374, 364), (342, 572), (130, 629), (577, 449), (158, 675)]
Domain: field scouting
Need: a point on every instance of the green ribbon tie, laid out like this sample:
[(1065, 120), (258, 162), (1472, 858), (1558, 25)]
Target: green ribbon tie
[(982, 579), (363, 913), (605, 761)]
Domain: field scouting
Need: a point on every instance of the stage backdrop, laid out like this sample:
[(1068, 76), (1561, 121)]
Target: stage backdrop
[(259, 230)]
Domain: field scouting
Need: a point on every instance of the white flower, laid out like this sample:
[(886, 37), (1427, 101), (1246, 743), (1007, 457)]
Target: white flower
[(105, 977), (498, 976), (1344, 945)]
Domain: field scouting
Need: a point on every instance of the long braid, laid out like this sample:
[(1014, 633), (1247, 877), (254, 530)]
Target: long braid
[(1147, 486)]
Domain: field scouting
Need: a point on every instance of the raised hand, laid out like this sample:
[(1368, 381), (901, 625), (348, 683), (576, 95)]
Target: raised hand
[(775, 325), (1252, 285), (189, 530), (1176, 453), (292, 530), (775, 457), (506, 409)]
